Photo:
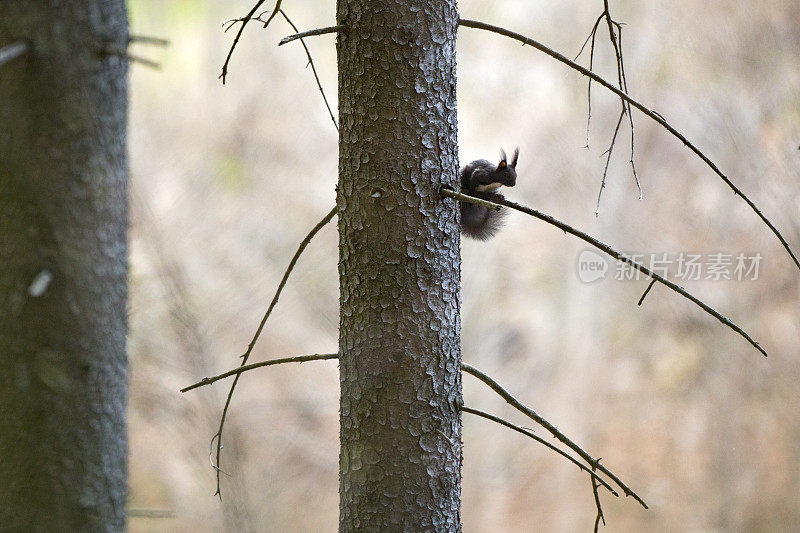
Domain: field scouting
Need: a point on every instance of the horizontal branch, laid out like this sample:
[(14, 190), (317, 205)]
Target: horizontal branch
[(533, 415), (641, 107), (311, 33), (620, 257), (146, 39), (540, 440), (12, 51), (238, 370), (469, 199)]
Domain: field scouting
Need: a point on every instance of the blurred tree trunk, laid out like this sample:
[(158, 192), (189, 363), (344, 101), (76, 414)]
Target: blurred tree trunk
[(399, 267), (63, 268)]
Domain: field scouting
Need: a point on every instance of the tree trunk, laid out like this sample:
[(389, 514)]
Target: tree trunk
[(63, 268), (399, 267)]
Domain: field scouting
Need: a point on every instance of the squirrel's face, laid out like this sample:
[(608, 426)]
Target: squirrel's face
[(504, 174)]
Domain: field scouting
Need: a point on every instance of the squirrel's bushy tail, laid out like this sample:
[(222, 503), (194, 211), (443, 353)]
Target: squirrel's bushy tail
[(478, 222)]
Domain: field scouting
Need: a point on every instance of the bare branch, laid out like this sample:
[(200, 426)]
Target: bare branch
[(145, 39), (12, 51), (519, 429), (244, 22), (619, 257), (327, 218), (314, 70), (530, 413), (597, 504), (244, 368), (450, 193), (641, 107), (111, 49), (311, 33)]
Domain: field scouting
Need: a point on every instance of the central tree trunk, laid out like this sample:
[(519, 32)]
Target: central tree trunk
[(399, 267)]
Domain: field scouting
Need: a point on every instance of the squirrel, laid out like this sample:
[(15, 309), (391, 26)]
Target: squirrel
[(482, 179)]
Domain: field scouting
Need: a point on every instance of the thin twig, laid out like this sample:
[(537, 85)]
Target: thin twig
[(519, 429), (597, 504), (641, 107), (644, 294), (111, 49), (530, 413), (146, 39), (12, 51), (619, 257), (327, 218), (244, 22), (608, 153), (311, 33), (244, 368), (314, 70)]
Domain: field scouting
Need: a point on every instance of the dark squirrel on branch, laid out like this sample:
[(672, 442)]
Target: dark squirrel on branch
[(482, 179)]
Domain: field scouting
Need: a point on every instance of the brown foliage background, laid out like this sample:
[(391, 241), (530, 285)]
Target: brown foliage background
[(228, 179)]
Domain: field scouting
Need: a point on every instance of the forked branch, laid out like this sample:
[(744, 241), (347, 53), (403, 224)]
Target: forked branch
[(641, 107), (533, 415)]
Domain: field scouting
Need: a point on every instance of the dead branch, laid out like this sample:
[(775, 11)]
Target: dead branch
[(146, 39), (533, 415), (610, 251), (244, 22), (519, 429), (598, 505), (313, 69), (311, 33), (244, 368), (641, 107), (327, 218), (12, 51), (111, 49)]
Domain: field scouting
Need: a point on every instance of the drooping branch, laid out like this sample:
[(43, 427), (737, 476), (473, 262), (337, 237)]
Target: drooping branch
[(520, 429), (641, 107), (615, 36), (244, 368), (327, 218), (12, 51), (313, 69), (311, 33), (613, 253), (533, 415)]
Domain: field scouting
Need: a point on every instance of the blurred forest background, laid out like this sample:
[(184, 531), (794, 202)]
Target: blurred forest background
[(226, 180)]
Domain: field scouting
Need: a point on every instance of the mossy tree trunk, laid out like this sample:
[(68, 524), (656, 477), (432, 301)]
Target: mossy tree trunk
[(399, 265), (63, 268)]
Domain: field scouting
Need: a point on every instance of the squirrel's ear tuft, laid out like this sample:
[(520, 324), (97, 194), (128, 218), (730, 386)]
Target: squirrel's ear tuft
[(503, 157), (514, 159)]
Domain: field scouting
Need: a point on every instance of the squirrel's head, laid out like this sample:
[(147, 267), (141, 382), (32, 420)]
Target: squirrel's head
[(507, 170)]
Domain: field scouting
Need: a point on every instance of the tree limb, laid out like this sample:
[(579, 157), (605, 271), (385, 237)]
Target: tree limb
[(533, 415), (313, 69), (641, 107), (311, 33), (520, 429), (616, 255), (250, 346)]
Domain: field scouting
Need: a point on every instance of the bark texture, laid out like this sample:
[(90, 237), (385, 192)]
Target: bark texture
[(63, 268), (399, 256)]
